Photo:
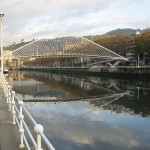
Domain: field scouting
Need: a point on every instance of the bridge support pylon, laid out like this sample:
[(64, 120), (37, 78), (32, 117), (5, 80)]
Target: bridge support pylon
[(114, 64), (17, 63)]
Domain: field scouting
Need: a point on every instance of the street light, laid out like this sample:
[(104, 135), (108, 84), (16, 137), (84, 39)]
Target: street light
[(1, 36)]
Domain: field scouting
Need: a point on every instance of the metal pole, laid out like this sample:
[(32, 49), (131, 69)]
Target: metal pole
[(21, 130), (38, 129), (82, 61), (138, 61), (138, 93), (1, 16), (9, 97), (37, 51), (13, 107)]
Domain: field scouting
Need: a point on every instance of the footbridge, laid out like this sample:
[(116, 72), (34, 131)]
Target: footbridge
[(75, 51)]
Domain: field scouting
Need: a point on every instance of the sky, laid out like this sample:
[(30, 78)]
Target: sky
[(35, 19)]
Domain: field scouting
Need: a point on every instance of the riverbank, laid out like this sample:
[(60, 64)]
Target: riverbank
[(96, 73)]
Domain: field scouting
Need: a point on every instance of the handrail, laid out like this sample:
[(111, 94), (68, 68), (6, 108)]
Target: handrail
[(145, 66), (18, 111)]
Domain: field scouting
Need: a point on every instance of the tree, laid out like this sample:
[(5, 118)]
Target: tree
[(143, 43), (115, 42)]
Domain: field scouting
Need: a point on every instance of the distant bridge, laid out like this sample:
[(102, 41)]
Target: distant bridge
[(80, 51)]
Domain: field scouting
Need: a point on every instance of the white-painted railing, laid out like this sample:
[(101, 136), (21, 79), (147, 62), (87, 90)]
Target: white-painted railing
[(18, 111), (146, 66)]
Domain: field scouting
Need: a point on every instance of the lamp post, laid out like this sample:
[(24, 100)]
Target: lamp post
[(1, 35)]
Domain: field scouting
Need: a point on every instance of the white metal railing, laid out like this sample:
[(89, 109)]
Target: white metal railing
[(18, 110), (146, 66)]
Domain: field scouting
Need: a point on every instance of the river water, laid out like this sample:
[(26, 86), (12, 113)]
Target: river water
[(87, 113)]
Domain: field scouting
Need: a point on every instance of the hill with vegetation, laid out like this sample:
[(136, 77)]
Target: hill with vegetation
[(15, 45), (139, 43), (127, 31), (117, 40)]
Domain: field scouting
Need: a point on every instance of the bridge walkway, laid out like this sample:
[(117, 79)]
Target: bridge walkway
[(9, 137)]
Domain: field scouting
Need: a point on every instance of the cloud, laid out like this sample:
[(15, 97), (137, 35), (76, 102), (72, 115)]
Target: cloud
[(37, 18), (84, 131)]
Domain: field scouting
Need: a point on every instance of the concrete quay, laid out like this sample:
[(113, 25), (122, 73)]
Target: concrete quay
[(9, 136)]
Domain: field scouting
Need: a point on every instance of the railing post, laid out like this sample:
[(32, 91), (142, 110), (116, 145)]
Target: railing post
[(38, 128), (2, 79), (13, 107), (7, 93), (4, 86), (21, 130), (9, 97)]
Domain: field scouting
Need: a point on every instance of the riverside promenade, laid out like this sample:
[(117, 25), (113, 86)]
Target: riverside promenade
[(9, 137)]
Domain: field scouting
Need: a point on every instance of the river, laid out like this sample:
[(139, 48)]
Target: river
[(87, 113)]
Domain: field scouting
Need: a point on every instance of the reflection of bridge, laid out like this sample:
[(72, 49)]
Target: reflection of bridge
[(79, 51), (93, 87), (83, 89), (131, 89), (103, 99), (72, 87), (85, 85)]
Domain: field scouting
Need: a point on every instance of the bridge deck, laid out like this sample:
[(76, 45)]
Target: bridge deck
[(9, 138)]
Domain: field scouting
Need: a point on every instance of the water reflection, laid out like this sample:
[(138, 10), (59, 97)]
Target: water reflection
[(101, 129), (121, 125), (32, 84), (39, 84)]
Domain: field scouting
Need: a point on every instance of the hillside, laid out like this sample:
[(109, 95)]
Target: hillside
[(146, 30), (123, 43), (15, 46), (127, 31), (109, 37)]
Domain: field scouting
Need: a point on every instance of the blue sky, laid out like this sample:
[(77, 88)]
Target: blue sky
[(34, 19)]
